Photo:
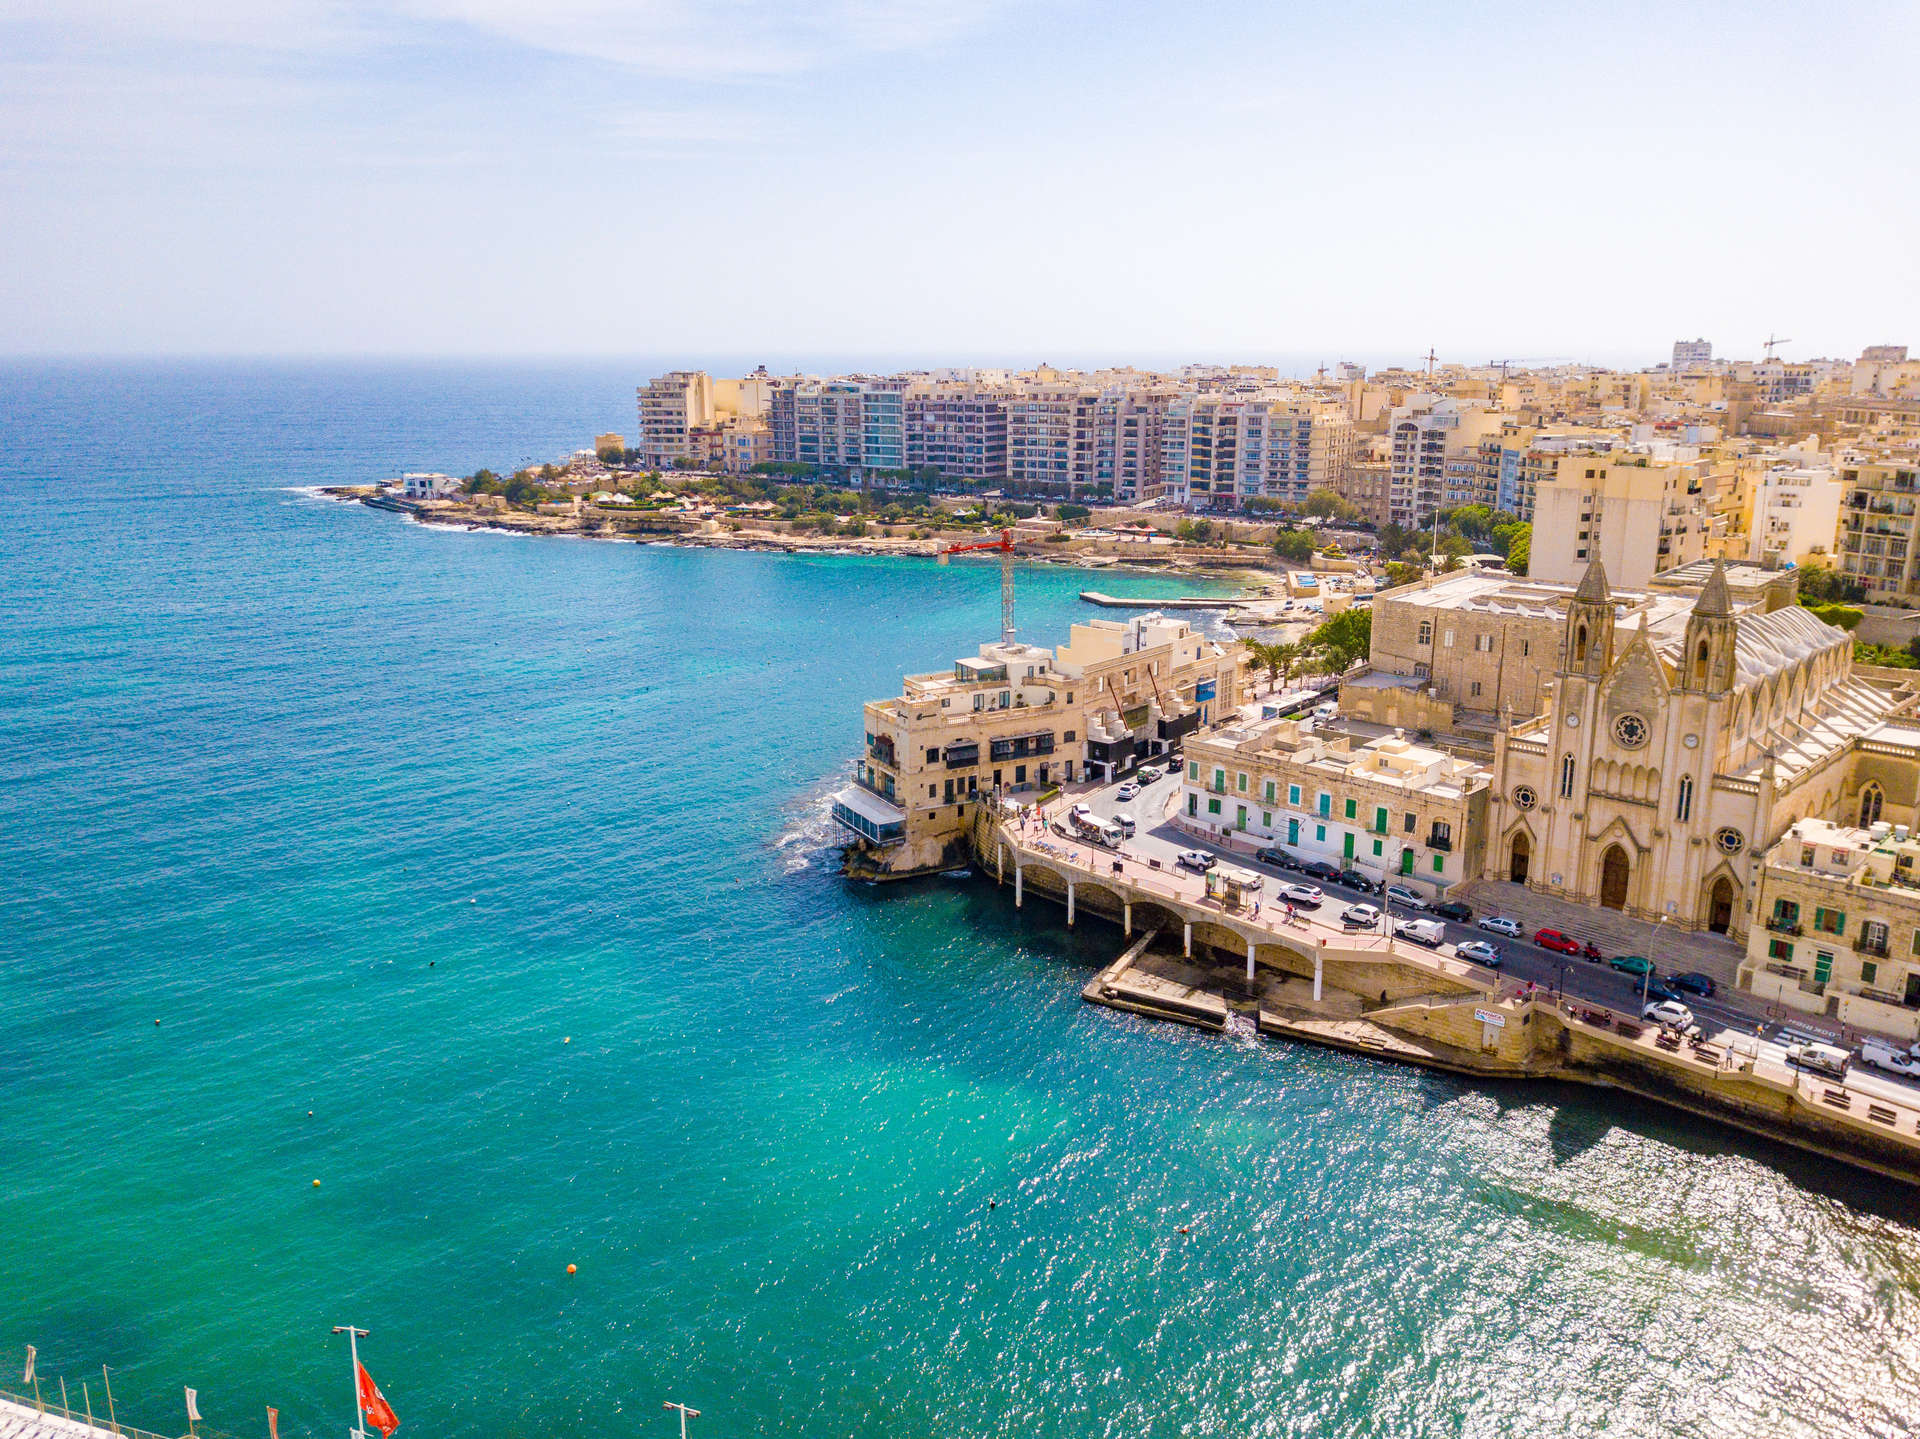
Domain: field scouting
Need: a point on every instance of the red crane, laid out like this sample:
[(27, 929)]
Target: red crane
[(1005, 546)]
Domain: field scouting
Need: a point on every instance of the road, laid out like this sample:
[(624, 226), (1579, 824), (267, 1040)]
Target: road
[(1591, 982)]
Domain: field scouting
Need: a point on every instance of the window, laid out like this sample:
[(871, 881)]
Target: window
[(1213, 806), (933, 756), (1426, 633), (1447, 640), (1068, 738), (1822, 966), (1526, 648), (1439, 863), (1266, 819), (1483, 643), (1377, 847), (1326, 803), (1869, 971), (1700, 666), (1193, 769), (1193, 804), (1243, 782), (1293, 831), (1269, 792), (1683, 806), (1353, 807), (1320, 833), (1870, 801), (1473, 690), (1566, 776), (1873, 937), (1833, 921), (1411, 820), (1780, 949), (1580, 639), (1293, 795)]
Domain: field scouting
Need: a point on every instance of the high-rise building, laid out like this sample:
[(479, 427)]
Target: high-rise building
[(1689, 353)]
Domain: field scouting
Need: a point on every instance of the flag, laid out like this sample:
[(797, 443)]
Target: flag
[(193, 1408), (374, 1405), (27, 1378), (273, 1422)]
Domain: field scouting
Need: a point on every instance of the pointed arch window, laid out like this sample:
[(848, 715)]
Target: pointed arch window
[(1700, 665), (1566, 776), (1579, 644), (1870, 801), (1683, 807)]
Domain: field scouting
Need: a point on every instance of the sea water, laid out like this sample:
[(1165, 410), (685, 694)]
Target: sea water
[(488, 881)]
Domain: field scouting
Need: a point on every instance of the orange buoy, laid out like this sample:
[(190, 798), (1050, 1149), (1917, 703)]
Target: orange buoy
[(571, 1269), (316, 1184)]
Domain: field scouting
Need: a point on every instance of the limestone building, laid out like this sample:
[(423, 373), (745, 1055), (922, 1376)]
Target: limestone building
[(1671, 750)]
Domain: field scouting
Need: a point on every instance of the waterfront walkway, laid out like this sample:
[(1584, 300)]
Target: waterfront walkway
[(19, 1419)]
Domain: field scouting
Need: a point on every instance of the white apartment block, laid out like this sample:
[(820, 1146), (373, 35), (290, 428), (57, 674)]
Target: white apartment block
[(1796, 515), (671, 408), (1636, 513), (1219, 451), (1435, 452)]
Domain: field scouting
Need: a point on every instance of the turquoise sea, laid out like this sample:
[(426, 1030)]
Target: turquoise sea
[(487, 881)]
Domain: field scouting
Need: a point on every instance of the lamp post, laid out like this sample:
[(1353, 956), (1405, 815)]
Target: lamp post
[(1646, 980), (685, 1415)]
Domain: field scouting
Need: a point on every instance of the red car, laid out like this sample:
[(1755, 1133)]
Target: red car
[(1557, 942)]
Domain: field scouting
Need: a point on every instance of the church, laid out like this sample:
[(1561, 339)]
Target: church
[(1667, 756)]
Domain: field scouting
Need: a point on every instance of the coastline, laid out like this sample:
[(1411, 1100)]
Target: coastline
[(1249, 583)]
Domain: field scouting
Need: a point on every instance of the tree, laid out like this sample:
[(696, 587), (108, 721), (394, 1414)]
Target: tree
[(1400, 574), (1331, 505), (612, 455), (1196, 532), (1845, 616), (1265, 505), (1294, 546), (1066, 514), (1266, 656), (1520, 549), (1344, 640), (1820, 585), (1884, 655)]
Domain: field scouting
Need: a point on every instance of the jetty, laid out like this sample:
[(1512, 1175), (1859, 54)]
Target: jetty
[(1185, 602), (1199, 954)]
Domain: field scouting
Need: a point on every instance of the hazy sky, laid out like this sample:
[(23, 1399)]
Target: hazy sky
[(1072, 181)]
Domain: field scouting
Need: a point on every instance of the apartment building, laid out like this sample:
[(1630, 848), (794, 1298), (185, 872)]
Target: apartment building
[(1435, 445), (1367, 485), (958, 429), (1054, 438), (1637, 513), (1796, 515), (1838, 931), (1132, 437), (671, 407), (1020, 717), (1220, 450), (1389, 808), (744, 444), (1878, 518), (1692, 354)]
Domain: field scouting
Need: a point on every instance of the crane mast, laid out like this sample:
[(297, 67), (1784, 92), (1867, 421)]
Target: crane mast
[(1004, 545)]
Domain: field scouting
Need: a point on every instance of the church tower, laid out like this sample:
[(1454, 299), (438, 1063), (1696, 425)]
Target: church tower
[(1589, 647), (1708, 656)]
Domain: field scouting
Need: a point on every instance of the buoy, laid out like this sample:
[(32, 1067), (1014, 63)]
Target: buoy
[(567, 1040), (156, 1024), (570, 1269), (1184, 1229), (473, 901), (316, 1184), (993, 1204), (309, 1114), (431, 963)]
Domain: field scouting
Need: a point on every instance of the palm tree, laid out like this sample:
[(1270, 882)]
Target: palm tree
[(1265, 656)]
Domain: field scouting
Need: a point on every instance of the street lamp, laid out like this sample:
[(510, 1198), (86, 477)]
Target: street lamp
[(685, 1415), (1646, 980)]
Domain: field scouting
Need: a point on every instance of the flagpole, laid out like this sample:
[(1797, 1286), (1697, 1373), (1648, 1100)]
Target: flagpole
[(354, 1336)]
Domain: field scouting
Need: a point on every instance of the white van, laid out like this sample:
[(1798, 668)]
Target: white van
[(1820, 1059), (1882, 1055), (1111, 834), (1125, 821)]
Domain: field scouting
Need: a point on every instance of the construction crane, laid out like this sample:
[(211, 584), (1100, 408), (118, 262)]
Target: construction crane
[(1772, 343), (1005, 546)]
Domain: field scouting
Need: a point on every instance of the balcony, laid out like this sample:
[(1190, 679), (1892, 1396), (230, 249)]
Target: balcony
[(959, 756), (1440, 842), (1779, 924), (1876, 947), (1788, 971)]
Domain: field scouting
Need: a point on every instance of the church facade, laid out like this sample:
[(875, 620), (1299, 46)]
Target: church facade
[(1667, 757)]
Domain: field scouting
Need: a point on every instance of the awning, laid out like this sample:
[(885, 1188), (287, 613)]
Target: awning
[(869, 806)]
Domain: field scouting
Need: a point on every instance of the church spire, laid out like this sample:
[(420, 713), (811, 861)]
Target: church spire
[(1593, 584), (1716, 601)]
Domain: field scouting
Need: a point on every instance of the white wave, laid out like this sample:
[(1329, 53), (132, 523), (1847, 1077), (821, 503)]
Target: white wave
[(811, 835)]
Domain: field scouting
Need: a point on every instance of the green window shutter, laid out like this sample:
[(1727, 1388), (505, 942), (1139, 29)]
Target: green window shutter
[(1869, 971), (1822, 967), (1266, 819), (1269, 795), (1193, 804), (1353, 808), (1439, 864), (1820, 919), (1243, 784), (1320, 833), (1193, 769), (1240, 817), (1406, 861), (1293, 798), (1839, 921), (1349, 848), (1213, 806), (1376, 855), (1293, 831), (1379, 823)]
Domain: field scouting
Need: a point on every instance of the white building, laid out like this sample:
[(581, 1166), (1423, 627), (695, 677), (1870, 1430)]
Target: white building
[(1796, 515)]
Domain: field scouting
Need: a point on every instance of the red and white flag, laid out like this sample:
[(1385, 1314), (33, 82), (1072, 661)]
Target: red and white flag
[(374, 1405), (273, 1422), (193, 1407), (28, 1377)]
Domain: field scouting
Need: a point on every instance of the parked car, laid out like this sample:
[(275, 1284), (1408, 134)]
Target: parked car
[(1320, 869), (1080, 812), (1365, 916), (1554, 940), (1301, 896), (1325, 710), (1499, 924), (1454, 910), (1480, 952), (1271, 855), (1693, 982), (1663, 989), (1820, 1059), (1631, 964), (1126, 823), (1429, 932), (1148, 773), (1669, 1012), (1400, 894), (1882, 1055), (1353, 879), (1195, 859), (1128, 791)]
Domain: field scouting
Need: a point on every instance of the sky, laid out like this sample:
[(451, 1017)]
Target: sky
[(961, 181)]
